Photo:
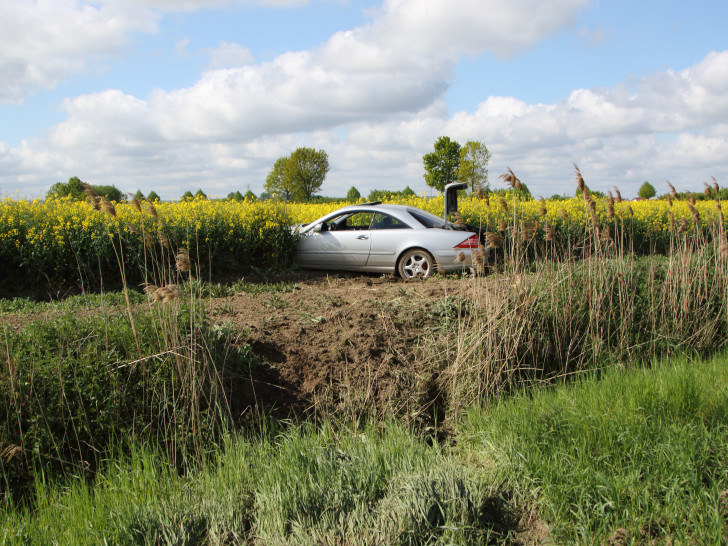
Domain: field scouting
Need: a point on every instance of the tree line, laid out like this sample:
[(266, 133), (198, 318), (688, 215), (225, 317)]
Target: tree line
[(300, 175), (77, 189)]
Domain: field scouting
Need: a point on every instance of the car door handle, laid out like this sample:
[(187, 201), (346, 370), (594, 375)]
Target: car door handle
[(363, 237)]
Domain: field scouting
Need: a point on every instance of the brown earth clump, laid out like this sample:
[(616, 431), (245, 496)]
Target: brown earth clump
[(344, 344)]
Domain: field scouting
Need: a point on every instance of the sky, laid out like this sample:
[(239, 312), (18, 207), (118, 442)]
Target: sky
[(177, 95)]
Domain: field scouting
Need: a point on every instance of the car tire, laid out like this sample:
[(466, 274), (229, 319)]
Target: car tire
[(415, 263)]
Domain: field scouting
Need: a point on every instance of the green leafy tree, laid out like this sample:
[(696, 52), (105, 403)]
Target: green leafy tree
[(441, 166), (187, 196), (249, 196), (112, 193), (473, 169), (647, 191), (235, 196), (408, 192), (152, 197), (199, 194), (353, 194), (276, 182), (298, 176), (139, 196), (76, 188), (73, 188), (307, 169)]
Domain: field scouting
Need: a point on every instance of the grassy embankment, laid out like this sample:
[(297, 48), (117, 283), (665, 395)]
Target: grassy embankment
[(635, 455)]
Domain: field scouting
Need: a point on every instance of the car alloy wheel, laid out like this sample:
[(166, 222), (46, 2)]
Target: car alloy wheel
[(416, 263)]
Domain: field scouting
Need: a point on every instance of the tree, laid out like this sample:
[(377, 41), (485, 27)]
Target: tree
[(473, 169), (276, 182), (235, 196), (187, 196), (353, 194), (441, 166), (74, 188), (408, 192), (249, 196), (199, 194), (298, 176), (152, 197), (647, 191), (306, 169), (112, 193)]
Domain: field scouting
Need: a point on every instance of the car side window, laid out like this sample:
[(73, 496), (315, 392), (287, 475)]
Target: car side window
[(349, 221), (385, 221)]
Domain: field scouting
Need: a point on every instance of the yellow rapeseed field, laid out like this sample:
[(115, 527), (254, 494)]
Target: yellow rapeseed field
[(60, 239)]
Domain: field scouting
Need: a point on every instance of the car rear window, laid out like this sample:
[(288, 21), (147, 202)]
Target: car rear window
[(428, 220)]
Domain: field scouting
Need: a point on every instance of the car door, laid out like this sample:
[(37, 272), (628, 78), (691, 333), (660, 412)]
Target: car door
[(388, 235), (342, 242)]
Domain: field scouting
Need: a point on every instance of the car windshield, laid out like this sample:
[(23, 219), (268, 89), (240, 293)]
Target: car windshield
[(427, 219)]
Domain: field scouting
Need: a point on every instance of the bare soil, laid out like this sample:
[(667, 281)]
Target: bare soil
[(346, 344)]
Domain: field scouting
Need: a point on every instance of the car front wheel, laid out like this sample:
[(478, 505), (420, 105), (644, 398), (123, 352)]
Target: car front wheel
[(416, 263)]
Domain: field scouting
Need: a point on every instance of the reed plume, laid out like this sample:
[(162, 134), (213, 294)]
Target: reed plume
[(182, 260), (580, 180), (673, 192), (511, 179)]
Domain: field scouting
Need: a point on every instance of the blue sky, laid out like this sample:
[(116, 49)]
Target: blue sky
[(176, 95)]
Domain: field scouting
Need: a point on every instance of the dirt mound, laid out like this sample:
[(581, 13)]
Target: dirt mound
[(343, 343)]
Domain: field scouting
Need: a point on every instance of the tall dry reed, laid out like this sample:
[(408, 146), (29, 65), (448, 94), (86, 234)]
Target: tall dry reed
[(555, 308)]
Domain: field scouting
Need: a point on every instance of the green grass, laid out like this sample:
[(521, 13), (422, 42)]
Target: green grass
[(641, 455), (71, 303), (366, 486), (644, 451), (116, 298)]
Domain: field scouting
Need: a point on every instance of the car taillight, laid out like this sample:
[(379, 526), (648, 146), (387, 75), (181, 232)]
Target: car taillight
[(470, 242)]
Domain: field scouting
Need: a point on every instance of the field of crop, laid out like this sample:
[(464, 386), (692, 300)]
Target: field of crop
[(520, 406), (66, 245)]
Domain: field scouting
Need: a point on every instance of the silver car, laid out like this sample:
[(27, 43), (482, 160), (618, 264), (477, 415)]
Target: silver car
[(385, 238)]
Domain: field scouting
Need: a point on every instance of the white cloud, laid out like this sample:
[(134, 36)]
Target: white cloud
[(401, 62), (180, 48), (227, 55), (615, 134), (194, 5), (504, 27), (43, 41)]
